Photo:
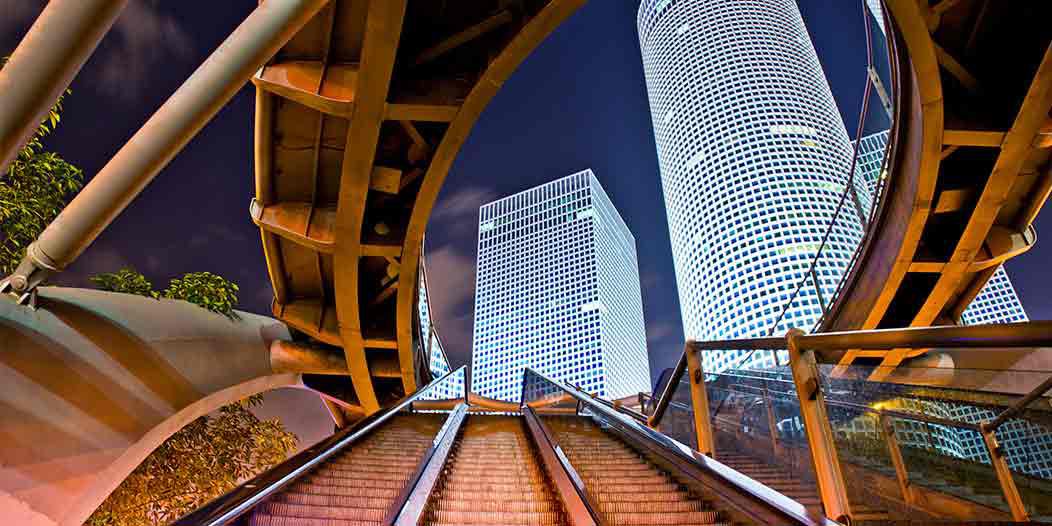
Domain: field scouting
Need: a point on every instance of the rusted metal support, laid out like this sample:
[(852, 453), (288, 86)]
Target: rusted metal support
[(699, 400), (828, 474), (887, 433), (45, 62), (670, 389), (1004, 476), (177, 121)]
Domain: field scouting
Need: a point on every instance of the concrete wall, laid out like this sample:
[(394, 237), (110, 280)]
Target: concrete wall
[(92, 382)]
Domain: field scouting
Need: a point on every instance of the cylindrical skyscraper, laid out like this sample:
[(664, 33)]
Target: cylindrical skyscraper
[(754, 158)]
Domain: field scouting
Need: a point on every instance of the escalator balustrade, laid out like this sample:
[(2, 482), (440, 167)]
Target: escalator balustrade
[(356, 488), (628, 488)]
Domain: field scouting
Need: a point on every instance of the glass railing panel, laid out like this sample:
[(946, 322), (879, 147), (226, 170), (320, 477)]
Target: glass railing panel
[(951, 461), (1027, 445), (678, 420), (755, 415), (450, 388), (873, 485)]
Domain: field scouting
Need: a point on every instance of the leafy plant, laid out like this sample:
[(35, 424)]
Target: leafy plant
[(126, 280), (201, 461), (36, 187), (207, 290)]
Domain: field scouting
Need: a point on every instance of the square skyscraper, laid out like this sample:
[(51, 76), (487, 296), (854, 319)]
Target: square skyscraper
[(558, 291)]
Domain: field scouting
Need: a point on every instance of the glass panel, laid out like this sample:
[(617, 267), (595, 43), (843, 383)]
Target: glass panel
[(935, 425), (1027, 443), (758, 431), (678, 421), (865, 460), (450, 388)]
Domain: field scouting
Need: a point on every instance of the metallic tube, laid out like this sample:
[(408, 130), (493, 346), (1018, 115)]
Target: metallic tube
[(181, 117), (45, 62), (670, 389), (1019, 406), (1026, 334)]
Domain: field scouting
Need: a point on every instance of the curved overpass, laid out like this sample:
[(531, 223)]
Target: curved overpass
[(358, 119), (969, 163)]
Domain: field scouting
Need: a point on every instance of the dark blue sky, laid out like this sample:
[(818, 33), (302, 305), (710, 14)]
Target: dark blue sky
[(578, 102)]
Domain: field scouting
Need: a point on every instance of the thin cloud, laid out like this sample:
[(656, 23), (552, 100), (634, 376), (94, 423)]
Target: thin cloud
[(142, 39), (451, 287), (458, 212)]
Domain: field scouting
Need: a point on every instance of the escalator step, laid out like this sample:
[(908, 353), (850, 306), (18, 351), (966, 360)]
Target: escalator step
[(492, 477), (627, 488)]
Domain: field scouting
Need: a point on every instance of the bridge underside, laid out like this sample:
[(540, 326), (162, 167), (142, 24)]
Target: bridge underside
[(358, 119), (969, 166)]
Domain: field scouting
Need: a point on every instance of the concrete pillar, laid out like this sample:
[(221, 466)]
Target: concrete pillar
[(45, 62), (178, 120)]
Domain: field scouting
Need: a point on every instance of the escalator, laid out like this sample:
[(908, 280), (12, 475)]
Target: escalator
[(565, 460), (627, 487), (493, 477), (355, 488)]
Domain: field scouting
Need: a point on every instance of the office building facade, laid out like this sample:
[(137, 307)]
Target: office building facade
[(754, 158), (558, 291)]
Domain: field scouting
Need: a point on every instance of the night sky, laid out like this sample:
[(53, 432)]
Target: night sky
[(578, 102)]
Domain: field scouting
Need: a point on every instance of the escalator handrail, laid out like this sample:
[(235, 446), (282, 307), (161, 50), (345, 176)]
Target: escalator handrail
[(411, 503), (568, 483), (781, 504), (238, 501)]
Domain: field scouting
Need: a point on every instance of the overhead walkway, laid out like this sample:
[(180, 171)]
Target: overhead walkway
[(967, 169)]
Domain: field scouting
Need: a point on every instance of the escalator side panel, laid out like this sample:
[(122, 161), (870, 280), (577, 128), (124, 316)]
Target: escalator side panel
[(357, 487)]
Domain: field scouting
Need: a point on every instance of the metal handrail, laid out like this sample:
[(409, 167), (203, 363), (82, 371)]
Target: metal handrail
[(241, 499), (408, 508), (670, 389), (784, 506), (1018, 407), (578, 503)]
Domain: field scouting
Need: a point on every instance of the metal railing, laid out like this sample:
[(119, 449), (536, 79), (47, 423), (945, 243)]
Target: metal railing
[(240, 500), (813, 393), (743, 494)]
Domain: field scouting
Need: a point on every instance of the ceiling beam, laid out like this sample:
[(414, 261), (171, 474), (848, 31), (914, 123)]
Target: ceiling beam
[(463, 37)]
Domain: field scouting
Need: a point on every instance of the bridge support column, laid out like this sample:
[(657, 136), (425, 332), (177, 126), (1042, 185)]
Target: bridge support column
[(828, 474), (177, 121), (45, 62), (699, 400)]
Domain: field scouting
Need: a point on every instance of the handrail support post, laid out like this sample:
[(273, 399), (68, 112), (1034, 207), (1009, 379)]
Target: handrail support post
[(887, 432), (1004, 475), (830, 478), (699, 400), (772, 423)]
